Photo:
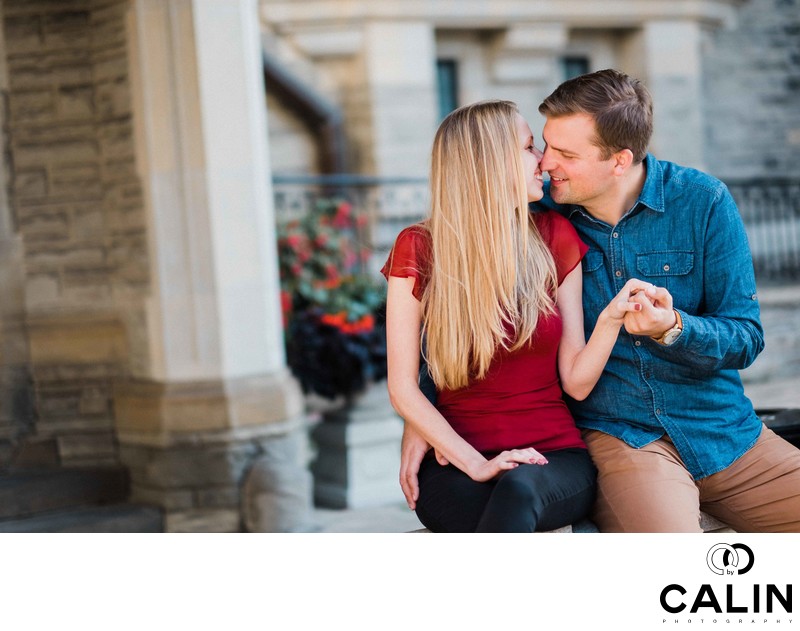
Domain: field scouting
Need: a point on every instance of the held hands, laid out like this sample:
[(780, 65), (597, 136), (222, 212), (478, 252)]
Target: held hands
[(623, 304), (655, 314), (642, 308)]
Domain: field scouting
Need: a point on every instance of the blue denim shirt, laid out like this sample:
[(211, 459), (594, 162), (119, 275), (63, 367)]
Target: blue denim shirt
[(685, 234)]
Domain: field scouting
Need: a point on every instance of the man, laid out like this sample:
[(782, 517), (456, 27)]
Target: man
[(668, 424)]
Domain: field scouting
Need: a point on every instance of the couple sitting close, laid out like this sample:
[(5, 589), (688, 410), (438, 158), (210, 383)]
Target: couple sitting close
[(627, 283)]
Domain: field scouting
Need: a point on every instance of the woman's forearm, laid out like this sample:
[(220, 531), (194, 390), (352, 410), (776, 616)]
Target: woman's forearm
[(417, 411)]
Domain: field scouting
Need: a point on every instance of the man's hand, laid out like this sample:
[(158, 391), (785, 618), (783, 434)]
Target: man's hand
[(412, 450), (656, 315)]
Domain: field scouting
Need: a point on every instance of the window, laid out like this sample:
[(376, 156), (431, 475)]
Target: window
[(573, 66), (447, 86)]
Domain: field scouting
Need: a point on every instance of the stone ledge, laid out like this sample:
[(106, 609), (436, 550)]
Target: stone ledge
[(707, 523)]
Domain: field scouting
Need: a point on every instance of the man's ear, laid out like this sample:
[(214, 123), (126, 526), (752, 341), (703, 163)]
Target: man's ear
[(622, 161)]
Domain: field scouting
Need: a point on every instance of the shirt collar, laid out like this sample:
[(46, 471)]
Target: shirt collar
[(652, 194)]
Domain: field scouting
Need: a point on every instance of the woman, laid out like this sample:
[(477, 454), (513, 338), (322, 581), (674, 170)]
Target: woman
[(495, 292)]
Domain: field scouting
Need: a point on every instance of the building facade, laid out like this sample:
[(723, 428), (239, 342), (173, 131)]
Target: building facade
[(724, 74)]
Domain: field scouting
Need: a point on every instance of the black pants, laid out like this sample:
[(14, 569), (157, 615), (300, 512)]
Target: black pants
[(525, 499)]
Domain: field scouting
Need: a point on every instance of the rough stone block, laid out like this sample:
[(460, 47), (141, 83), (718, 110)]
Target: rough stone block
[(54, 427), (111, 68), (35, 105), (42, 290), (30, 183), (116, 140), (23, 33), (67, 29), (204, 520), (88, 222), (75, 101), (78, 296), (95, 401), (195, 468), (45, 226), (83, 446), (168, 499), (79, 340), (59, 401), (277, 498), (63, 151), (113, 99), (217, 497), (277, 490)]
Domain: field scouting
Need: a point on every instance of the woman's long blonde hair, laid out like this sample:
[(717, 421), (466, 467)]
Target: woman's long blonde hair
[(492, 275)]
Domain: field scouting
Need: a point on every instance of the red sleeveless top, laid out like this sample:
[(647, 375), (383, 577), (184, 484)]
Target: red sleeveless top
[(519, 402)]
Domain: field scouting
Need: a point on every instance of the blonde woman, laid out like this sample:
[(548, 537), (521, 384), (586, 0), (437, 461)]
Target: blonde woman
[(495, 292)]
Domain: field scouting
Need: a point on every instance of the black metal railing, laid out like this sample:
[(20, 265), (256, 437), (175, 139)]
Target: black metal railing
[(387, 204), (770, 209)]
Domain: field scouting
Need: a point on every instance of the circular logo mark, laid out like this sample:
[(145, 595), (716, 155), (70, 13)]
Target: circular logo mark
[(722, 557)]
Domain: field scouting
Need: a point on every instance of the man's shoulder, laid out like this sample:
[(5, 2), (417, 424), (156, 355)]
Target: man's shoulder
[(676, 176)]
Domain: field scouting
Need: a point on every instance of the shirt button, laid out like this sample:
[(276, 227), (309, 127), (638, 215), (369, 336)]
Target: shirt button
[(615, 235), (658, 411), (617, 273), (753, 297), (637, 343), (666, 268)]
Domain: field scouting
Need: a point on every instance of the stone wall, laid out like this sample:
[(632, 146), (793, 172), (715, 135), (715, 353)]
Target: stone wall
[(752, 91), (77, 206)]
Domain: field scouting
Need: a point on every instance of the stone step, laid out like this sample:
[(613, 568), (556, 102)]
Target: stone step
[(123, 518), (25, 493)]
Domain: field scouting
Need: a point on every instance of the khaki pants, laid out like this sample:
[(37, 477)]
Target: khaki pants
[(650, 490)]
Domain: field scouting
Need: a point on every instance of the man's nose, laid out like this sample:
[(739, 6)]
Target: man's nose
[(546, 161)]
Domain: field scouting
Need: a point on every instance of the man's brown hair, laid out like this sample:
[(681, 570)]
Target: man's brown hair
[(621, 107)]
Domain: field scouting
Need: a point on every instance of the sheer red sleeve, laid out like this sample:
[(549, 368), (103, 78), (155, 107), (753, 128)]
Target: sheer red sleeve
[(565, 244), (410, 257)]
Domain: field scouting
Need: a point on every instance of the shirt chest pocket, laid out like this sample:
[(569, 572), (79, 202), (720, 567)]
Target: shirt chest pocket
[(672, 269), (667, 263), (592, 261)]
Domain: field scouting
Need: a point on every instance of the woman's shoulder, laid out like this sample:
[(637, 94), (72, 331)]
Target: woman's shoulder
[(410, 255), (415, 232), (554, 228), (552, 221), (413, 241), (562, 239)]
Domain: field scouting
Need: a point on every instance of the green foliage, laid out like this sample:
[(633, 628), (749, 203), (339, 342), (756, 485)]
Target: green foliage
[(333, 311)]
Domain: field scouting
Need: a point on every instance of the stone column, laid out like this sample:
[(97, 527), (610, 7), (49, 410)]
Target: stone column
[(401, 82), (210, 406), (672, 55)]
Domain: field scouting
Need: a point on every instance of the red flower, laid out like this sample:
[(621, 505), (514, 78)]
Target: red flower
[(342, 217), (339, 320), (286, 306)]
